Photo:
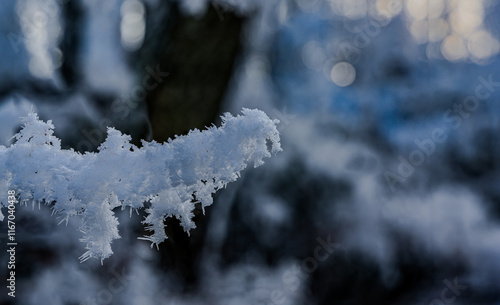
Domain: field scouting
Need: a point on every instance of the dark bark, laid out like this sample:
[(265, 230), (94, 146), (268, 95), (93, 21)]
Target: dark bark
[(199, 58)]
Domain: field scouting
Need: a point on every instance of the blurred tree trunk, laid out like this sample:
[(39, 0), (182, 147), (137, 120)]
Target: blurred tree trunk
[(198, 53), (199, 58)]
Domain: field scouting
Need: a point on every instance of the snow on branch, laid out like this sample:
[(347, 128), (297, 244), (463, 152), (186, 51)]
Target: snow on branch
[(172, 176)]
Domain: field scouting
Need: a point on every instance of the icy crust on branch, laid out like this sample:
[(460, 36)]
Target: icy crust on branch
[(172, 176)]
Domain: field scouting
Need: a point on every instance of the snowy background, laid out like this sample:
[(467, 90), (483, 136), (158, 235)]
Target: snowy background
[(386, 191)]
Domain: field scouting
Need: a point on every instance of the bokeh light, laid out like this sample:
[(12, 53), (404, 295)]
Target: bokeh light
[(313, 55), (457, 25), (133, 24), (352, 9), (450, 24), (343, 74), (454, 48), (389, 8)]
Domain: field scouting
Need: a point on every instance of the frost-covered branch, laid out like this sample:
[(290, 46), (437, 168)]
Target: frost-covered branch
[(172, 176)]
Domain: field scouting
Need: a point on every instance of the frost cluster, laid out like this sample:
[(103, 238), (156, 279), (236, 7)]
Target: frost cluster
[(172, 177)]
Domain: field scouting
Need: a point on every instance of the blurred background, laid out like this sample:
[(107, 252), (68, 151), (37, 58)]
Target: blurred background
[(386, 191)]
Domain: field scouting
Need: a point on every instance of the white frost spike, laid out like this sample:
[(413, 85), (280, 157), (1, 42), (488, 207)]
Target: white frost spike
[(167, 175)]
